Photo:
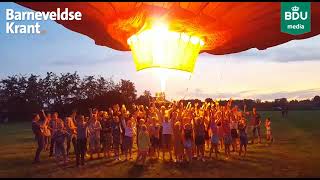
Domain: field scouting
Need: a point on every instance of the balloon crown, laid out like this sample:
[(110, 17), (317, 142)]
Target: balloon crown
[(295, 8)]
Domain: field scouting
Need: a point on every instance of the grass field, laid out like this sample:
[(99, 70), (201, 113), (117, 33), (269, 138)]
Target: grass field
[(295, 153)]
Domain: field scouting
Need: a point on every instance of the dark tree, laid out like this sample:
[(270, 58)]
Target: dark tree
[(128, 90)]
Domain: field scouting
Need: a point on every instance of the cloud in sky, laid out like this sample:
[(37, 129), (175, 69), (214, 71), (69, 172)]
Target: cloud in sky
[(296, 50), (253, 94)]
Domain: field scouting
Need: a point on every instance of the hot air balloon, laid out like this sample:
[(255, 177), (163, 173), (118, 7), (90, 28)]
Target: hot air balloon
[(172, 34)]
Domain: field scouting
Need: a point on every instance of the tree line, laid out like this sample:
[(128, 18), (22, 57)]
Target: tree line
[(21, 95)]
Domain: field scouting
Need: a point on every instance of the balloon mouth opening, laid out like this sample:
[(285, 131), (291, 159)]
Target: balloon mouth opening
[(158, 47)]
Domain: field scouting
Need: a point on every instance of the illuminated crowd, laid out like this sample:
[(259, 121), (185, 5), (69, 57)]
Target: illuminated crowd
[(182, 131)]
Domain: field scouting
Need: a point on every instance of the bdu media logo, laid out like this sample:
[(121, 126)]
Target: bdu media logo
[(295, 17)]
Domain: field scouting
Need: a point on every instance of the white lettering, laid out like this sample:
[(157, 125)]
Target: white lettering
[(295, 16), (78, 16), (38, 16), (9, 27), (64, 14), (305, 17), (71, 17), (53, 16), (45, 16), (287, 15), (9, 14), (37, 26)]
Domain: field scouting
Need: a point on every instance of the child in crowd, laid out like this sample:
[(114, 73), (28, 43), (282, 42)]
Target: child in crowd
[(214, 138), (128, 137), (243, 136), (268, 130), (188, 138), (199, 131), (227, 138), (167, 131), (154, 131), (234, 133), (178, 141), (144, 145)]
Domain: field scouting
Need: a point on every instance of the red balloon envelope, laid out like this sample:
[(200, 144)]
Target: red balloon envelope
[(226, 27)]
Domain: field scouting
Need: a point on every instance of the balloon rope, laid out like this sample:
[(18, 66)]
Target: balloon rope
[(186, 89)]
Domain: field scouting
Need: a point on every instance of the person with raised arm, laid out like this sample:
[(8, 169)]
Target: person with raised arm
[(199, 132), (167, 133), (60, 136), (130, 131), (243, 136), (256, 123), (72, 134), (214, 135), (46, 130)]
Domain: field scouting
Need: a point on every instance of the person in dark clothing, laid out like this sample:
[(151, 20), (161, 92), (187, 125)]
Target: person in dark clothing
[(116, 136), (106, 134), (256, 125), (53, 128), (39, 137), (82, 135)]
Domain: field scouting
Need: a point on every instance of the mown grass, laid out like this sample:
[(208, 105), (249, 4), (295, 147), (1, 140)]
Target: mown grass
[(295, 153)]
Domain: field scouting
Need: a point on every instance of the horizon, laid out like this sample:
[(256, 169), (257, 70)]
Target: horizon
[(287, 71)]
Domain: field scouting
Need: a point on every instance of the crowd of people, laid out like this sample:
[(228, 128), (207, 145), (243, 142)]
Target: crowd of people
[(184, 131)]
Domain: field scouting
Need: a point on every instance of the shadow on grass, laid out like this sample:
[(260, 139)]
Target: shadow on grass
[(136, 171)]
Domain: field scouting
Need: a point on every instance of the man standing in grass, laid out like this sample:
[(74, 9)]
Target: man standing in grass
[(53, 127), (36, 128), (82, 135), (256, 125)]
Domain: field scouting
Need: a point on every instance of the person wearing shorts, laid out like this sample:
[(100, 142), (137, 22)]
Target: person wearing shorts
[(243, 137), (199, 131), (227, 138), (256, 125), (154, 131), (167, 131), (214, 138), (234, 134), (188, 140), (220, 133), (128, 136)]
